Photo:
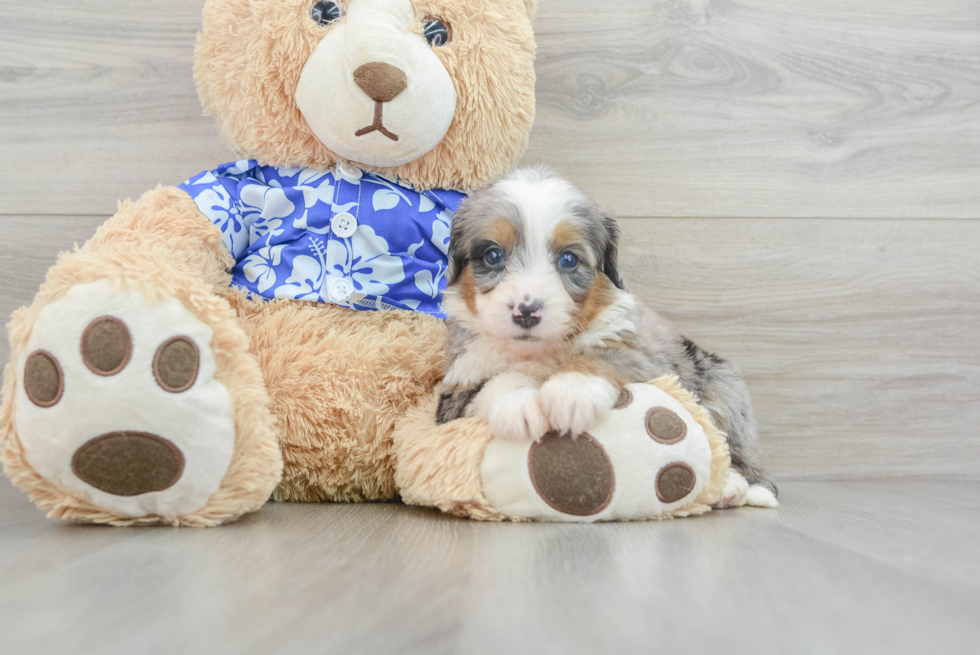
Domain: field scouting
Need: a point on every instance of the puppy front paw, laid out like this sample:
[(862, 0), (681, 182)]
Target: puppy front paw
[(736, 489), (516, 416), (574, 402)]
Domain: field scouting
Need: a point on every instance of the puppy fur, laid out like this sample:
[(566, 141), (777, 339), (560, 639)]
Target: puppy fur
[(542, 334)]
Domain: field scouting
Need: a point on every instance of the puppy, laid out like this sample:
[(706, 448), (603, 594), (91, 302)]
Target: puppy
[(543, 334)]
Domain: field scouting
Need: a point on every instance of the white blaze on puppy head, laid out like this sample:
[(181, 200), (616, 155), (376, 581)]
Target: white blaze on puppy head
[(533, 262)]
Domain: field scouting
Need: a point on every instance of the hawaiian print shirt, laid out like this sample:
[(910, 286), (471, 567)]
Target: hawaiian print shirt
[(345, 236)]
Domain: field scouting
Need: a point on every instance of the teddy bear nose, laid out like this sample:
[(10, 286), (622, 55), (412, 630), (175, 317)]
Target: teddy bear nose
[(382, 82)]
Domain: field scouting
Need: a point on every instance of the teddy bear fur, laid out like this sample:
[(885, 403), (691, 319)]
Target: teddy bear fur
[(161, 247), (251, 54), (440, 465), (317, 389)]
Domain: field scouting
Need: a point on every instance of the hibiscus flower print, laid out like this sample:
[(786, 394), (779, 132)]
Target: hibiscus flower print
[(216, 203), (366, 259), (259, 267)]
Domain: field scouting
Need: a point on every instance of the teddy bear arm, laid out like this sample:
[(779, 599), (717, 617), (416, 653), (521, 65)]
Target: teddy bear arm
[(168, 221)]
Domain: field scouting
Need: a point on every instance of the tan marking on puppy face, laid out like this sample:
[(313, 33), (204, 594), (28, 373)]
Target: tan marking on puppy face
[(467, 287), (600, 296), (564, 235), (503, 233)]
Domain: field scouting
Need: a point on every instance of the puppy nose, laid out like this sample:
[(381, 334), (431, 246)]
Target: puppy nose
[(382, 82), (527, 316)]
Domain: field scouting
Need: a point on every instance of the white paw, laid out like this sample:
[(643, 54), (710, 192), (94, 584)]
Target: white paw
[(574, 402), (516, 416), (117, 400), (736, 488), (759, 496)]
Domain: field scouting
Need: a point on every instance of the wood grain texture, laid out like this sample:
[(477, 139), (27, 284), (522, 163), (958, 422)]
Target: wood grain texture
[(762, 108), (97, 104), (664, 107), (858, 338), (839, 568)]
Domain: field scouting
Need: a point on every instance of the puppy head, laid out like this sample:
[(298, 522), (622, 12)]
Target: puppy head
[(532, 260)]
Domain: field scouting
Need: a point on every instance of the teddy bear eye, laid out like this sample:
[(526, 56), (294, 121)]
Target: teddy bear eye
[(326, 13), (437, 32)]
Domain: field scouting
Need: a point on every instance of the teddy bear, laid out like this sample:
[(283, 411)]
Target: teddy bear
[(272, 326)]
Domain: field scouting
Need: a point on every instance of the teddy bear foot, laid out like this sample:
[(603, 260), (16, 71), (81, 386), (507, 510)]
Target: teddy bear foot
[(117, 402), (648, 458)]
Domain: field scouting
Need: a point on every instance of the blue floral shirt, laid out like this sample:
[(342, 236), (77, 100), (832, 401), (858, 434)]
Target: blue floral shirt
[(345, 236)]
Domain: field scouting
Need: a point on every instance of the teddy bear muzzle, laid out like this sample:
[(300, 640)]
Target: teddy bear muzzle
[(373, 90)]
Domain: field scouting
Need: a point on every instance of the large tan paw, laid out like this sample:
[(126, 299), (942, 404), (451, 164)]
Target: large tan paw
[(117, 400)]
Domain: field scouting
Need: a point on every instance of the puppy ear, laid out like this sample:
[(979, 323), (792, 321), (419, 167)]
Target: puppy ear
[(610, 256), (457, 249)]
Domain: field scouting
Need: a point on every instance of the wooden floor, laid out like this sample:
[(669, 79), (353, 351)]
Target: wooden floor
[(843, 567), (799, 189)]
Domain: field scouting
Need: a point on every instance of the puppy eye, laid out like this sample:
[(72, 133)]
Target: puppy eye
[(494, 257), (437, 32), (325, 13), (568, 260)]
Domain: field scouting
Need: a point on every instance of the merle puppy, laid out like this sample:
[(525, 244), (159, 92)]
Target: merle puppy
[(543, 334)]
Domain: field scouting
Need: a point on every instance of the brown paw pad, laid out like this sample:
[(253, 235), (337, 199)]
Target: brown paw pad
[(665, 426), (128, 463), (573, 476), (176, 364), (625, 398), (44, 380), (106, 346), (674, 482)]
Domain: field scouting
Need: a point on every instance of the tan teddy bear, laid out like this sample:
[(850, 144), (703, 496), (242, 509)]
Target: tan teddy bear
[(265, 327)]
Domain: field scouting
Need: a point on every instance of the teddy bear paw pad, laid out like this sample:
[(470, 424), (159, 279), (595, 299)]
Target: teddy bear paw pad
[(117, 400), (648, 457)]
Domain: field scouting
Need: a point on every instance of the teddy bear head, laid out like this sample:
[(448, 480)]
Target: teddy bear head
[(437, 93)]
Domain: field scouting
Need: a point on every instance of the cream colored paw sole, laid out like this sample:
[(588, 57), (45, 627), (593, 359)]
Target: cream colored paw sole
[(154, 437), (647, 458)]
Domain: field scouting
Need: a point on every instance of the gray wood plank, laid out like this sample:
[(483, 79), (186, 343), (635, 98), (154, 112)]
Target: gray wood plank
[(763, 108), (32, 247), (679, 108), (931, 552), (97, 104), (858, 338), (392, 579)]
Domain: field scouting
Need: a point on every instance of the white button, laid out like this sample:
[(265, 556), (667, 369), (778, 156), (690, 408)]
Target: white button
[(341, 289), (343, 225), (350, 172)]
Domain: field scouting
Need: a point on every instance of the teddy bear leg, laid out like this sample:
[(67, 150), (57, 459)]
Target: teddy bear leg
[(655, 455), (339, 380), (131, 396)]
